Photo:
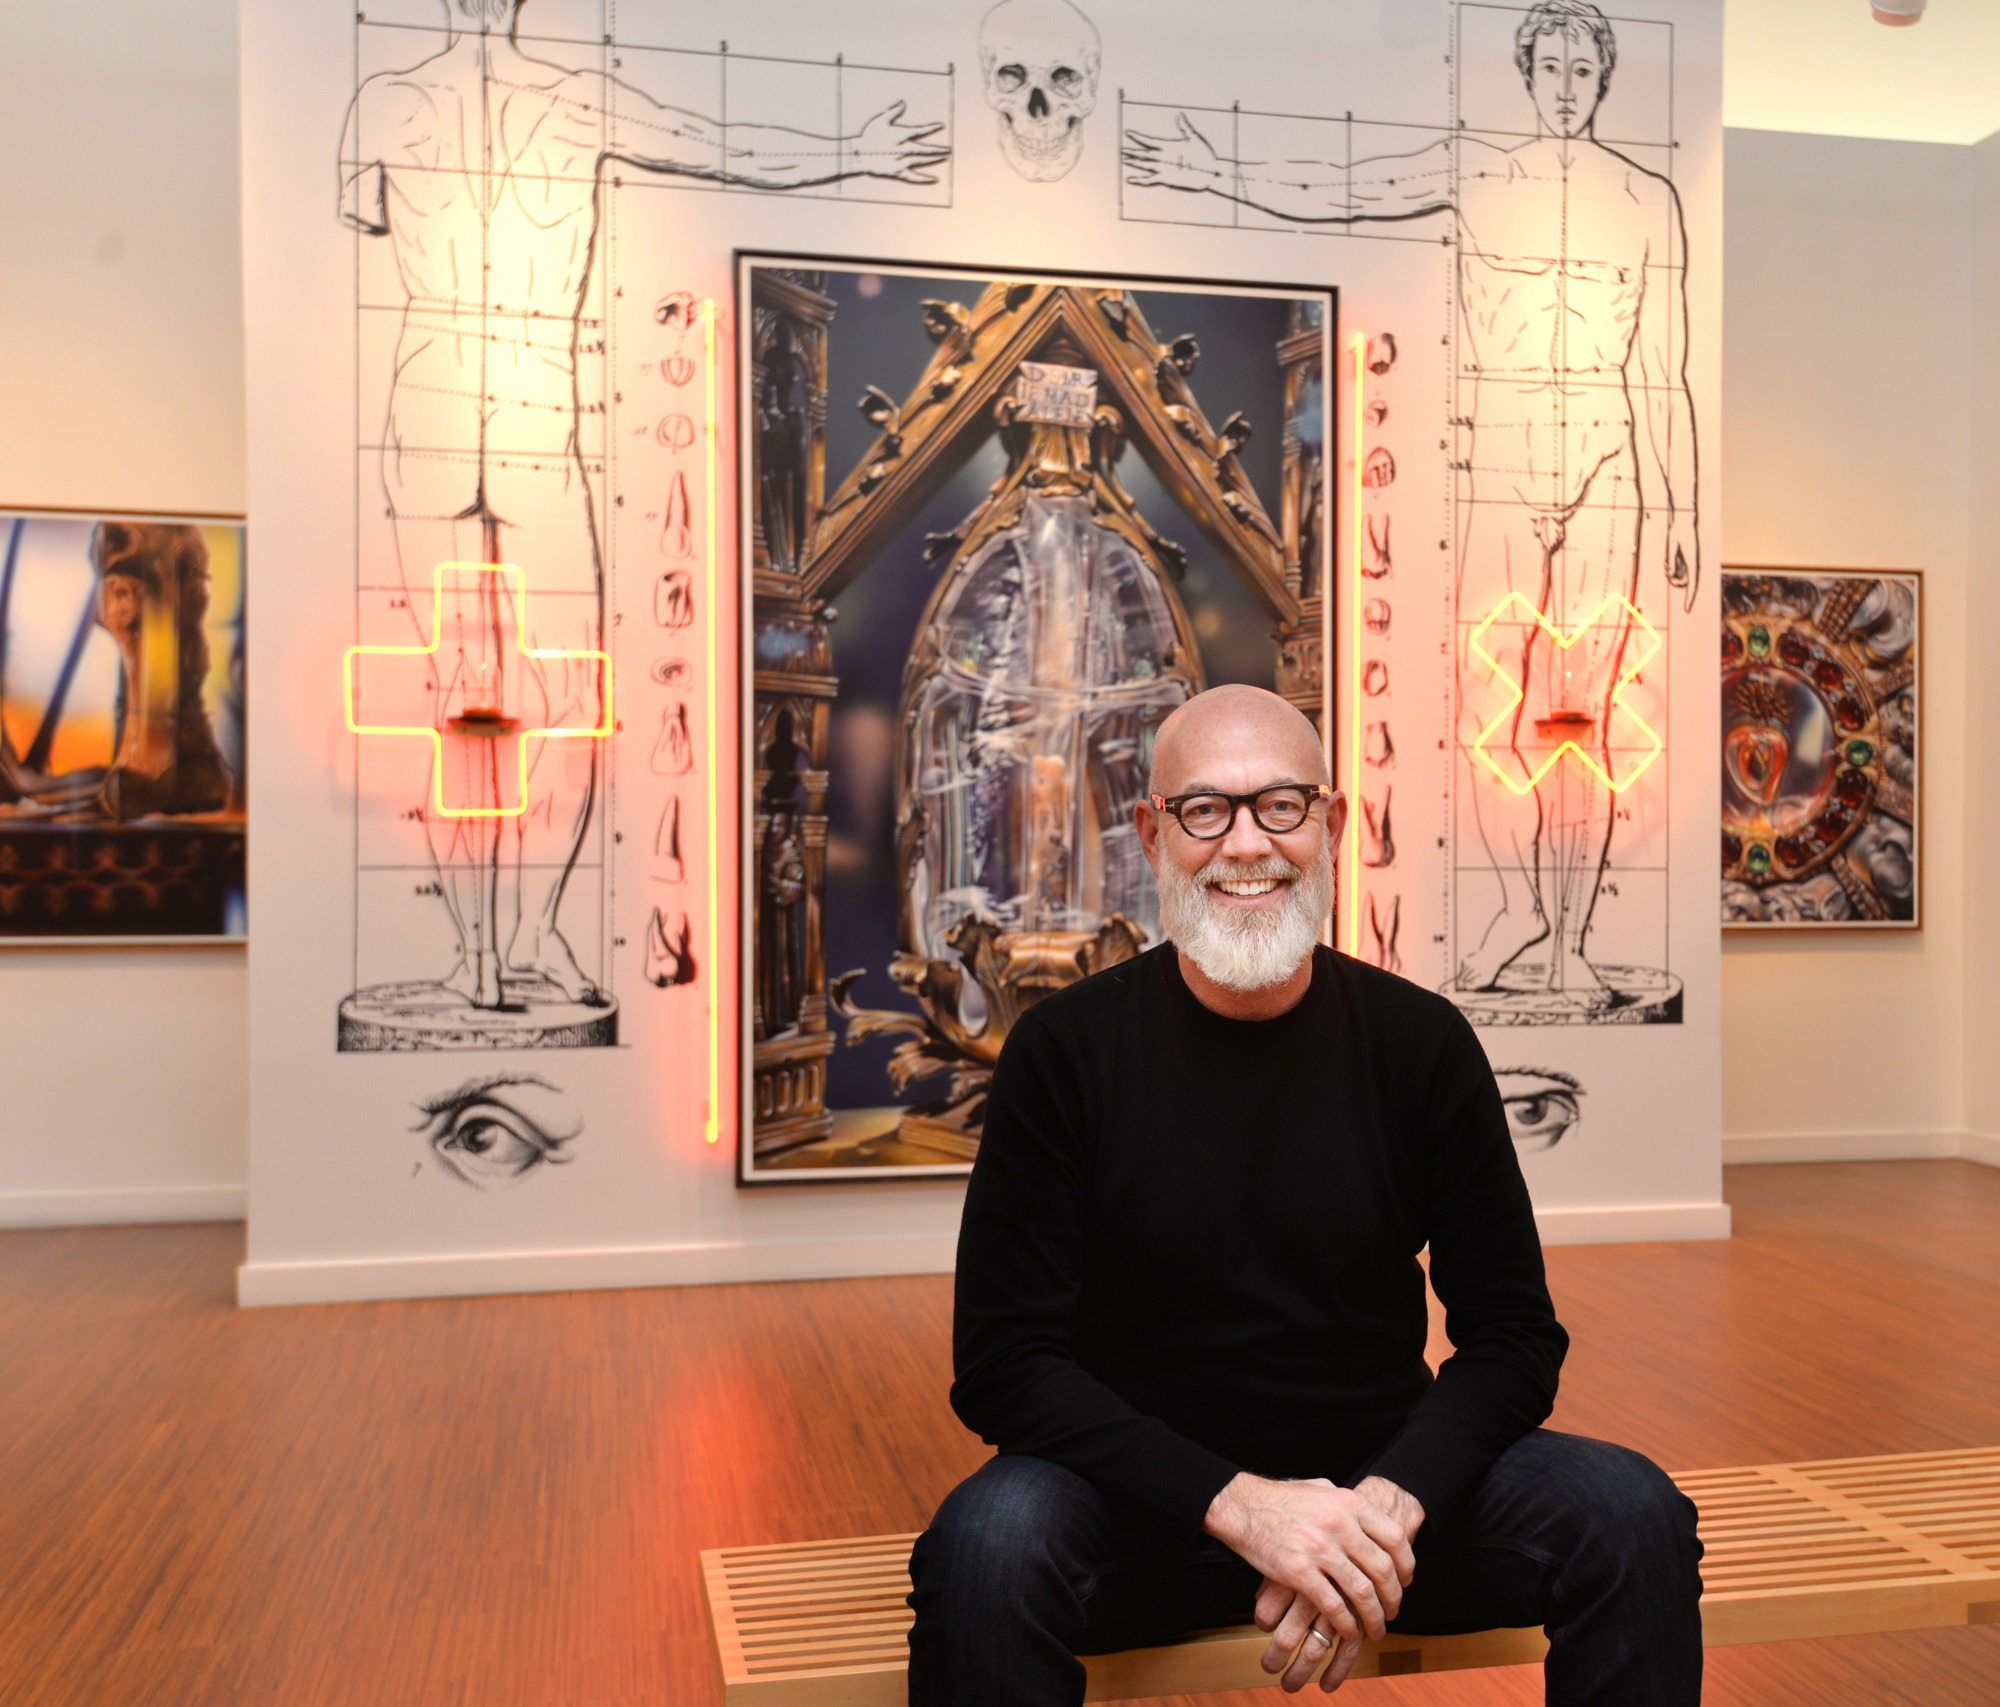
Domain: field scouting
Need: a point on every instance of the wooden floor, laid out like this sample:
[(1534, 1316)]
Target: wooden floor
[(499, 1501)]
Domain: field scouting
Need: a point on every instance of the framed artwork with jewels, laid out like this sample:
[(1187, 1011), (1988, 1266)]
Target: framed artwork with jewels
[(1822, 749)]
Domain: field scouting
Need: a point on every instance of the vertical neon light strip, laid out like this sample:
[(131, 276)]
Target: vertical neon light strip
[(712, 1116), (1352, 887)]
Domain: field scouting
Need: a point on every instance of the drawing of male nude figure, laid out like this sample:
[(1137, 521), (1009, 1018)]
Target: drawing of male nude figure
[(484, 166), (1580, 467)]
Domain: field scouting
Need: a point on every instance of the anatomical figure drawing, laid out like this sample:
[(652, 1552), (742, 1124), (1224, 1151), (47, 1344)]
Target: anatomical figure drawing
[(484, 169), (1575, 503)]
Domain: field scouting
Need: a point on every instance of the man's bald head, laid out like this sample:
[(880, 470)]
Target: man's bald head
[(1210, 739)]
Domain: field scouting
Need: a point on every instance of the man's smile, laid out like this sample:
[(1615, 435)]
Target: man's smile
[(1247, 886)]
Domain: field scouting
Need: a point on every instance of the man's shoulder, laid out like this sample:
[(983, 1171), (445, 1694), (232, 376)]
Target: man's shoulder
[(1390, 1000), (1081, 1012)]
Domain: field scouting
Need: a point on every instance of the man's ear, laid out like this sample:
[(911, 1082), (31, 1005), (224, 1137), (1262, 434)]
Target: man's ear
[(1336, 819), (1147, 822)]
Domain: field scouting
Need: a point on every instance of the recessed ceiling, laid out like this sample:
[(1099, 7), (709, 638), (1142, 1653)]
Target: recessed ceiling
[(1827, 66)]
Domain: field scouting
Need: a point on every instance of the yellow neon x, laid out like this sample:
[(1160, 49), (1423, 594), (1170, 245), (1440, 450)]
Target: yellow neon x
[(1566, 641), (517, 591)]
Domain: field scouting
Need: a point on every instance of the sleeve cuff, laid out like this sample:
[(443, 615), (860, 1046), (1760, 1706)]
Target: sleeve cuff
[(1439, 1470)]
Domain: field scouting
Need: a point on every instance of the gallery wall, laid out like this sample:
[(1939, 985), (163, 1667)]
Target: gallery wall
[(126, 1069), (122, 370), (569, 939), (1981, 1111), (1848, 426)]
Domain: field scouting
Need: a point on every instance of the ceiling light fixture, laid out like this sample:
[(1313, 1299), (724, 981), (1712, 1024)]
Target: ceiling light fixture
[(1898, 12)]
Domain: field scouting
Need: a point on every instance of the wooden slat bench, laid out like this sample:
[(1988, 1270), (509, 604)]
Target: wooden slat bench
[(1840, 1547)]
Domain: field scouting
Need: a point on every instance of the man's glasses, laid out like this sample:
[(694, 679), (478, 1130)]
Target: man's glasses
[(1277, 810)]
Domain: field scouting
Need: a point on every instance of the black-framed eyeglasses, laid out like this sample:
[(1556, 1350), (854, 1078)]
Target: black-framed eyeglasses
[(1277, 810)]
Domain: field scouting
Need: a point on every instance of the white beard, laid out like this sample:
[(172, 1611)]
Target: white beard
[(1246, 951)]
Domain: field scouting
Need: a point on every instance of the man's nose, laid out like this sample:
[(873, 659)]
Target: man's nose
[(1246, 838)]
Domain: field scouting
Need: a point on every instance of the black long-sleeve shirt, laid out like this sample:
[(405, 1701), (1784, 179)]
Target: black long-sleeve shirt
[(1190, 1243)]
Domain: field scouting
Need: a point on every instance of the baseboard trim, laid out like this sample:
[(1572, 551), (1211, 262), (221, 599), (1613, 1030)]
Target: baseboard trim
[(1980, 1147), (1844, 1147), (578, 1271), (823, 1259), (1630, 1224), (102, 1208)]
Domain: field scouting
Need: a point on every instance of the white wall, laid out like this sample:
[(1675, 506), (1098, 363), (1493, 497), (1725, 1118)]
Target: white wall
[(1848, 430), (1982, 776), (121, 367)]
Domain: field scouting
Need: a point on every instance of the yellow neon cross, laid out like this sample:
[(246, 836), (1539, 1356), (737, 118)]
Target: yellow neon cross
[(1566, 641), (517, 591)]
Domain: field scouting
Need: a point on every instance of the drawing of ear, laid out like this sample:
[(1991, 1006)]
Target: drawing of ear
[(1378, 565), (677, 530), (1378, 836), (675, 311), (667, 844), (1383, 929), (673, 601), (673, 752), (669, 951)]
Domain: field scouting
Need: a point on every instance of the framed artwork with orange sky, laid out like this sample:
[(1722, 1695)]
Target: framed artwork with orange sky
[(122, 776)]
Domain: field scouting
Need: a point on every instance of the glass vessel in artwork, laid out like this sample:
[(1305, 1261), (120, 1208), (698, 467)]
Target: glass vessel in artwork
[(1053, 647), (1029, 730)]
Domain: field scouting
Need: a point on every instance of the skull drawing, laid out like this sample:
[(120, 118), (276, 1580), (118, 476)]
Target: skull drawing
[(1040, 61)]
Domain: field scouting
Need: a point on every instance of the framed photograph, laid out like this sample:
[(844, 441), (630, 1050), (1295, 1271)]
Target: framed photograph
[(996, 527), (1822, 749), (122, 780)]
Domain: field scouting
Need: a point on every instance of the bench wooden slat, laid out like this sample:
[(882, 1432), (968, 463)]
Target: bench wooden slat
[(1832, 1547)]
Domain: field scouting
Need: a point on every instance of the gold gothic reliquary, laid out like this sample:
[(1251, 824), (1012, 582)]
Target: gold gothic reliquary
[(1053, 644)]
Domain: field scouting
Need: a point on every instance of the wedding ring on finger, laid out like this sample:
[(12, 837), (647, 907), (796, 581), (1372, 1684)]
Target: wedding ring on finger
[(1317, 1633)]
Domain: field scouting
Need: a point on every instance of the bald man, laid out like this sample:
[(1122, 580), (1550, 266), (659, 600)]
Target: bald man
[(1191, 1317)]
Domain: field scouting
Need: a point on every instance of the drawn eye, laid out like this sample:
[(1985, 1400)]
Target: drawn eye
[(1010, 77), (1541, 1104), (492, 1131), (1066, 79)]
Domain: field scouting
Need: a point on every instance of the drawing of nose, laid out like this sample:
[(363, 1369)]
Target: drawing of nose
[(1038, 106)]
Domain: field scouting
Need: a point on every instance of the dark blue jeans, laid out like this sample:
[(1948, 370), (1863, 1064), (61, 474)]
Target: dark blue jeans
[(1027, 1565)]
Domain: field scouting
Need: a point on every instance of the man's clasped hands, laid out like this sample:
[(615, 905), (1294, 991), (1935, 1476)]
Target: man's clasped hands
[(1335, 1563)]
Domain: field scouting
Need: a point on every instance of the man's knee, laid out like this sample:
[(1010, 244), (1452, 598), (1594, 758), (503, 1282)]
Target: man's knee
[(1631, 1510), (1000, 1528)]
